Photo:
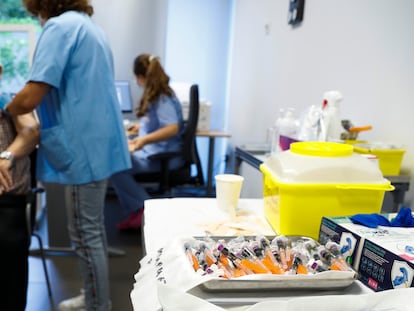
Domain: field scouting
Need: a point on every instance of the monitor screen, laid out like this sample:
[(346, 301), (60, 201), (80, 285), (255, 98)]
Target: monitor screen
[(123, 92)]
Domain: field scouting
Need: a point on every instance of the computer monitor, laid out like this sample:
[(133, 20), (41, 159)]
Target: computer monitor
[(123, 92)]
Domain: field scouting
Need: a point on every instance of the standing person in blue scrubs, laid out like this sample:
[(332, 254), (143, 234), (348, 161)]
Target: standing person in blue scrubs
[(82, 139), (159, 130)]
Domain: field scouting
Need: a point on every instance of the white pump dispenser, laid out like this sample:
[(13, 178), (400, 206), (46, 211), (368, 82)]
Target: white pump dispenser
[(331, 116)]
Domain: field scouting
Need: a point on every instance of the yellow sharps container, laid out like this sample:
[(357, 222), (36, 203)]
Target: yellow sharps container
[(316, 179)]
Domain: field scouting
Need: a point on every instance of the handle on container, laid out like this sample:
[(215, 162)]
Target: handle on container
[(363, 187), (360, 129)]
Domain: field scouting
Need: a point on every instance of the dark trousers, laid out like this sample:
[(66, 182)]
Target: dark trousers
[(14, 251)]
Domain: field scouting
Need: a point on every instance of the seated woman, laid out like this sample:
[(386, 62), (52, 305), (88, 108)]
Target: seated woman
[(159, 129)]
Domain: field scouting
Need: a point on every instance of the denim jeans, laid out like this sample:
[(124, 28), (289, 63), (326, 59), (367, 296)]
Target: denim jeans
[(132, 194), (85, 214)]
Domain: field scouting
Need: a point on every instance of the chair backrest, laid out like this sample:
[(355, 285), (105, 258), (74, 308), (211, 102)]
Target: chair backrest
[(191, 124), (169, 178), (189, 136)]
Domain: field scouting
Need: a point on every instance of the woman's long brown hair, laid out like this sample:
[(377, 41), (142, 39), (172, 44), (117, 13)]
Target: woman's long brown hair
[(156, 81)]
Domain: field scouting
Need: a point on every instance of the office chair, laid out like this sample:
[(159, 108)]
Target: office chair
[(168, 179), (31, 214)]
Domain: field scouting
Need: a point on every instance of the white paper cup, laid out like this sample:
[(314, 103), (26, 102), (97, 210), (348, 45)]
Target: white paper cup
[(228, 188)]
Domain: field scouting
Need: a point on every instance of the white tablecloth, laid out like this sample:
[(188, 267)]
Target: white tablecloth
[(167, 219)]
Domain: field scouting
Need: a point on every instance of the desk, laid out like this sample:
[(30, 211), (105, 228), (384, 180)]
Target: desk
[(212, 135), (253, 158), (166, 219), (257, 157)]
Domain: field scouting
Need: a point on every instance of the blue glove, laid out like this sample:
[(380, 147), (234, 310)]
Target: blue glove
[(404, 218), (370, 220)]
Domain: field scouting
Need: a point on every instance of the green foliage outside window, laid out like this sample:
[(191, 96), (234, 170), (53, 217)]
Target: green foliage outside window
[(15, 46), (15, 58), (12, 9)]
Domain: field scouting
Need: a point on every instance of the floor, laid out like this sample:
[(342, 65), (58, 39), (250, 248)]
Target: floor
[(64, 273)]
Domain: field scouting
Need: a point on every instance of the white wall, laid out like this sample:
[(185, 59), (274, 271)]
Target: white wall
[(133, 27), (192, 39), (364, 49), (361, 48), (197, 45)]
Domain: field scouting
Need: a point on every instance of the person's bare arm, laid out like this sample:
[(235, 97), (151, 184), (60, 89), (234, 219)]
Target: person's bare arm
[(27, 135), (161, 134), (24, 143), (27, 99)]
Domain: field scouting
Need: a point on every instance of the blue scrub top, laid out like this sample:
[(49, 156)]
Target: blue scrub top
[(82, 138), (167, 110)]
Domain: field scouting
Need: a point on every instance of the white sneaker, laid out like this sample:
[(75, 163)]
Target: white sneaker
[(75, 303)]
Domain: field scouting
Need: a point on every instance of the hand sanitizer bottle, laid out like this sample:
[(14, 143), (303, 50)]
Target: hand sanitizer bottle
[(332, 115)]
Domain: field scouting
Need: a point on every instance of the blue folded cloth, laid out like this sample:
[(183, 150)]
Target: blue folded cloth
[(404, 218)]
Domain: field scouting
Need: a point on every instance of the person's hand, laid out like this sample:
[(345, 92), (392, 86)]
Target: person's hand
[(135, 144), (5, 179), (133, 129), (139, 143), (131, 146)]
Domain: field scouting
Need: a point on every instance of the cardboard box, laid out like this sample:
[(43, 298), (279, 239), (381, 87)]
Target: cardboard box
[(383, 256), (204, 114), (182, 91)]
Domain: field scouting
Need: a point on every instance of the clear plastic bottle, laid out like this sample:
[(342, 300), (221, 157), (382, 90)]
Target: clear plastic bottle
[(288, 129), (284, 131), (310, 128), (275, 133)]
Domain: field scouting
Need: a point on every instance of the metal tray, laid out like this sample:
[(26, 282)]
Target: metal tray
[(246, 296), (327, 280), (321, 281)]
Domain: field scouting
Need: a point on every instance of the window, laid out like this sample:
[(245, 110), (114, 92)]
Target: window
[(16, 50), (18, 33)]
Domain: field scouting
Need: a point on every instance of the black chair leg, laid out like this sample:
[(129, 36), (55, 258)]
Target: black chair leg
[(42, 256)]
